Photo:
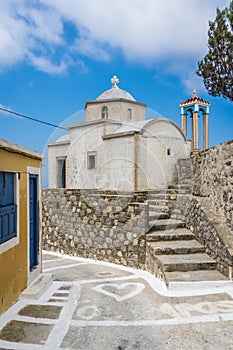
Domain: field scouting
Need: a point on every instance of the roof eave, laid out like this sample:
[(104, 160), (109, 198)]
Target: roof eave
[(15, 148), (114, 100), (122, 134)]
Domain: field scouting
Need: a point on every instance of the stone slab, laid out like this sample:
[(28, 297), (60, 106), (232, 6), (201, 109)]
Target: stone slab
[(168, 223), (186, 262), (194, 276), (26, 332), (41, 311), (172, 234), (177, 247)]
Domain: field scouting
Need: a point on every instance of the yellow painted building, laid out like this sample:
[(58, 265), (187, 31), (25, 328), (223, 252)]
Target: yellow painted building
[(20, 220)]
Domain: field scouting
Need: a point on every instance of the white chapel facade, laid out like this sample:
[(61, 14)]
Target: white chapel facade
[(117, 148)]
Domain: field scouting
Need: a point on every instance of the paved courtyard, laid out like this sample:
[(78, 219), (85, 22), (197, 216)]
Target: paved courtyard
[(96, 305)]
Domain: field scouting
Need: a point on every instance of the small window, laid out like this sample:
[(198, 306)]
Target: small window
[(104, 112), (61, 172), (129, 113), (91, 160), (169, 151), (8, 207)]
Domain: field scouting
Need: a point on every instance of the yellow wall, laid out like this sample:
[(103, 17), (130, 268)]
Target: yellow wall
[(14, 262)]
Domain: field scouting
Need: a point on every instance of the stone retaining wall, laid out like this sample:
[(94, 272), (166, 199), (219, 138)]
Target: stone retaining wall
[(211, 232), (210, 208), (213, 178), (104, 226)]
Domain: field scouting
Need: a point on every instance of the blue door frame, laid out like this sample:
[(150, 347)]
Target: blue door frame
[(33, 220)]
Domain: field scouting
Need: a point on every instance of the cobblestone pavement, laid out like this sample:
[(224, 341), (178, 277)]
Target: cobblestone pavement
[(95, 305)]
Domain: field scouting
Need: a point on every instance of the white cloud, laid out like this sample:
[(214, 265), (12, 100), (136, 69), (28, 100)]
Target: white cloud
[(89, 47), (143, 29), (27, 32), (43, 64), (146, 31)]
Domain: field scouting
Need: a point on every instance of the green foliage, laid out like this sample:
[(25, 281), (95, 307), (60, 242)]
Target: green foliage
[(216, 68)]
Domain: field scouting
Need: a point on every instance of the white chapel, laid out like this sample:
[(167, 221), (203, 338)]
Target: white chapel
[(117, 148)]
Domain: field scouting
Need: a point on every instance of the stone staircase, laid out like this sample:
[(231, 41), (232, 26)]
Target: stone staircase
[(172, 252), (184, 168)]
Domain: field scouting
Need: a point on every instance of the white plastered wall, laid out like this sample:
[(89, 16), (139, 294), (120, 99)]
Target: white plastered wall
[(83, 140), (117, 157), (156, 167), (116, 170), (54, 152), (117, 110)]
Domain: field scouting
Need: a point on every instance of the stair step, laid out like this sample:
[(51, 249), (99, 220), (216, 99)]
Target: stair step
[(162, 196), (163, 224), (159, 208), (158, 202), (167, 190), (38, 287), (179, 187), (187, 181), (186, 262), (177, 247), (194, 276), (169, 235), (154, 215)]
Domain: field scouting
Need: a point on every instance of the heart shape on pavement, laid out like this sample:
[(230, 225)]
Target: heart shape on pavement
[(113, 290)]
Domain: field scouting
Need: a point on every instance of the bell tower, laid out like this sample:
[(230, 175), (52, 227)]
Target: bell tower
[(196, 107)]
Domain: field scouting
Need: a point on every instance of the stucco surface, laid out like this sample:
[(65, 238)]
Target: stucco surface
[(14, 262)]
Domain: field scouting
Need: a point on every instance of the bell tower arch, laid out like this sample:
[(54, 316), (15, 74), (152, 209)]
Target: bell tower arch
[(195, 107)]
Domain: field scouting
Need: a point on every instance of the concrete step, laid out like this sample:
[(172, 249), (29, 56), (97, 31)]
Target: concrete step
[(185, 262), (186, 181), (164, 224), (167, 190), (194, 276), (169, 235), (154, 215), (179, 187), (159, 208), (158, 202), (162, 196), (38, 287), (177, 247)]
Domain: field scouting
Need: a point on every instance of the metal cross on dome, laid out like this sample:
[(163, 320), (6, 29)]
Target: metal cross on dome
[(115, 80)]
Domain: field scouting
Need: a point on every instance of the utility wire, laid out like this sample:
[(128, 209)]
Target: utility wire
[(30, 118)]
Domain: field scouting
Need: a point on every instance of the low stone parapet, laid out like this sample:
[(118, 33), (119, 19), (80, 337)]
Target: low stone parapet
[(99, 225)]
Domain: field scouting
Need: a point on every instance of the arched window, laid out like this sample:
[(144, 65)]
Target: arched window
[(104, 112)]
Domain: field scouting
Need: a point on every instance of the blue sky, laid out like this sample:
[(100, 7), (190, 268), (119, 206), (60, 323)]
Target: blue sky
[(56, 54)]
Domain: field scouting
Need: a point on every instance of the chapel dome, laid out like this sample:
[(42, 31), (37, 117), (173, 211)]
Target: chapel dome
[(115, 93)]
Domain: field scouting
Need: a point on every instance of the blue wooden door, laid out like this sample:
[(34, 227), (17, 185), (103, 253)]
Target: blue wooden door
[(34, 222), (8, 208)]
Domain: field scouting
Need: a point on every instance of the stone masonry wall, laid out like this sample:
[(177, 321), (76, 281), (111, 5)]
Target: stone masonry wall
[(213, 178), (201, 219), (104, 226), (210, 208)]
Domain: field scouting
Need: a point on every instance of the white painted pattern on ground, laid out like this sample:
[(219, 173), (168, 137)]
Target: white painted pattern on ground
[(53, 260), (156, 284), (139, 323), (64, 267), (59, 331), (181, 313), (103, 288)]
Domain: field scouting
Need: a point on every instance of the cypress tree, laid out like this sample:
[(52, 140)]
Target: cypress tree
[(216, 68)]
